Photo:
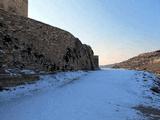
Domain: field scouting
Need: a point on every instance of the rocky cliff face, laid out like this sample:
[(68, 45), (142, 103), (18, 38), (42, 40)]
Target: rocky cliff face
[(147, 61), (29, 44)]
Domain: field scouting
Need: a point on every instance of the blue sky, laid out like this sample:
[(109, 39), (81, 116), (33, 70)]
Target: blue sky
[(115, 29)]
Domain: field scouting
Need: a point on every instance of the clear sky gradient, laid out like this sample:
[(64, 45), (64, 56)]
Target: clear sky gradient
[(115, 29)]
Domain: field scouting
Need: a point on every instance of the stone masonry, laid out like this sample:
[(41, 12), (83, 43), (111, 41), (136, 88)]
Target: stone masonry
[(18, 7), (29, 44)]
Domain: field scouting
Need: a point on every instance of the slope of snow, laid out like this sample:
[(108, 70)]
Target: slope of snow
[(99, 95), (46, 82)]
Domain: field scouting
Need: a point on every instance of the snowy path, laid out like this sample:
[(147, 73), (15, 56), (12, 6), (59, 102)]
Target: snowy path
[(99, 95)]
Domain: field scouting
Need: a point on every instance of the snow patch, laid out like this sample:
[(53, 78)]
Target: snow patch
[(50, 81)]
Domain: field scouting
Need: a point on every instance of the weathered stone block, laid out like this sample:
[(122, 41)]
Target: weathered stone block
[(96, 61), (18, 7)]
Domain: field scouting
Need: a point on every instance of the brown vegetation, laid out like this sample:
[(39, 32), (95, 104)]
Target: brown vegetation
[(147, 61), (11, 81)]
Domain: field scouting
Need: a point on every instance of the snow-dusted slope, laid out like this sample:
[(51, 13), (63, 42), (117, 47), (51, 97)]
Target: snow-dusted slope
[(100, 95)]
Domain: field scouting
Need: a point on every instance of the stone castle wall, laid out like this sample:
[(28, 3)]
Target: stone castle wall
[(29, 44), (96, 61), (18, 7)]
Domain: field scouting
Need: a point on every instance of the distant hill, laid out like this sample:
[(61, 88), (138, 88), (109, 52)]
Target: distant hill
[(147, 61), (107, 66)]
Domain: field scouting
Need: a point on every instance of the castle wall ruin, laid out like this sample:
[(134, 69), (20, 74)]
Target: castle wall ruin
[(29, 44), (18, 7)]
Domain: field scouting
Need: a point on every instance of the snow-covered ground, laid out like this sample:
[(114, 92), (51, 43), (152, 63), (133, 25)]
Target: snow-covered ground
[(106, 94)]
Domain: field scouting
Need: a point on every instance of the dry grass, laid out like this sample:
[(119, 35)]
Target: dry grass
[(11, 81)]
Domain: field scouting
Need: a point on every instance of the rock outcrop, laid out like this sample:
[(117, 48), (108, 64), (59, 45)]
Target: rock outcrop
[(147, 61), (29, 44)]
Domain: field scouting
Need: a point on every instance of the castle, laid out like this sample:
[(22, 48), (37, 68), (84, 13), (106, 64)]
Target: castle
[(18, 7)]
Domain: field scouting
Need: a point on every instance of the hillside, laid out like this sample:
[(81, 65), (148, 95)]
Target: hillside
[(107, 66), (147, 61)]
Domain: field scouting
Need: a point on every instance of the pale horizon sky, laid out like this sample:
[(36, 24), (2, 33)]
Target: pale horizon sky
[(115, 29)]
